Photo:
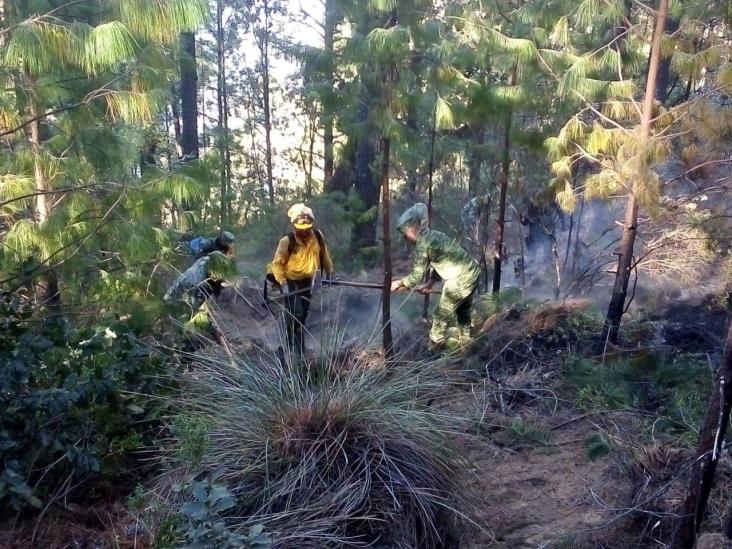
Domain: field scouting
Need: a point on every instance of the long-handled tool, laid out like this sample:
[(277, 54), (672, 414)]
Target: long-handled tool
[(370, 285), (329, 282)]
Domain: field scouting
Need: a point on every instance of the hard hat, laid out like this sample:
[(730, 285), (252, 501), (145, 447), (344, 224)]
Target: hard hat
[(227, 237), (416, 215), (301, 216)]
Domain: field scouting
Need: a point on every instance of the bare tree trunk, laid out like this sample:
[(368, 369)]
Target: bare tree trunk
[(663, 80), (557, 266), (388, 342), (433, 136), (204, 77), (328, 115), (569, 242), (223, 137), (227, 150), (365, 177), (175, 111), (311, 153), (49, 293), (522, 265), (266, 100), (577, 250), (711, 440), (189, 96), (625, 260), (501, 222)]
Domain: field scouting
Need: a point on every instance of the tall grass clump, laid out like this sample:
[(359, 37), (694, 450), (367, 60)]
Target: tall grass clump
[(354, 457)]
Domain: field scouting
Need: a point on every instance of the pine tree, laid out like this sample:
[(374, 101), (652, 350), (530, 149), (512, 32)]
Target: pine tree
[(621, 140), (73, 184)]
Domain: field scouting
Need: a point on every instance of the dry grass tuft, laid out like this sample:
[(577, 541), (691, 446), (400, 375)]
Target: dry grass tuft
[(353, 457), (554, 315)]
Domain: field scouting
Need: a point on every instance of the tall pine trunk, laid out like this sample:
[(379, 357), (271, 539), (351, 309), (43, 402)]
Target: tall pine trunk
[(433, 136), (311, 153), (577, 249), (264, 46), (663, 79), (175, 117), (221, 101), (388, 342), (501, 222), (365, 177), (188, 96), (711, 440), (625, 260), (328, 115), (48, 290)]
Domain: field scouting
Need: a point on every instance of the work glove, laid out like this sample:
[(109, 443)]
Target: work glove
[(423, 289)]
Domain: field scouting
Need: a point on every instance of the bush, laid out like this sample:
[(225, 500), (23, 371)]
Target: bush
[(69, 410), (352, 458), (672, 387)]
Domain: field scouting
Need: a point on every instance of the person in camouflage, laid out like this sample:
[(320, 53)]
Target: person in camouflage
[(223, 243), (195, 286), (451, 262)]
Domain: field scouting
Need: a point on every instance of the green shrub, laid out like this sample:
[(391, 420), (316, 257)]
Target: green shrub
[(330, 459), (526, 433), (672, 387), (69, 404), (202, 523), (489, 304), (597, 445)]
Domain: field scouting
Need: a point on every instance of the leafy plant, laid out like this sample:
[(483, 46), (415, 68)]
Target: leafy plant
[(592, 398), (526, 433), (203, 524), (597, 445), (70, 410)]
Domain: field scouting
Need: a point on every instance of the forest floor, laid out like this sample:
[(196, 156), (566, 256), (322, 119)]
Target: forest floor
[(535, 480), (530, 439)]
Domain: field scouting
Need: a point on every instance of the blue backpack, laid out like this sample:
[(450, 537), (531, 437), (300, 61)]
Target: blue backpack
[(198, 244)]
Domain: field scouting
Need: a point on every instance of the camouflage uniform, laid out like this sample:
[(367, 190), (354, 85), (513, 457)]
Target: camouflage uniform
[(460, 274), (193, 287)]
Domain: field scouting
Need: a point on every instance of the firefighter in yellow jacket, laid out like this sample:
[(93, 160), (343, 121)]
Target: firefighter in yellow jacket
[(300, 255)]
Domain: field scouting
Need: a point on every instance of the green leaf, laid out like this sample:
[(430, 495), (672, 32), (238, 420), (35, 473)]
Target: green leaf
[(195, 511), (106, 45)]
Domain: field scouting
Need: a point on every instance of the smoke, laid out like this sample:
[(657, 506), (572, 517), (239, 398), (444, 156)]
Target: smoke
[(339, 317), (682, 247)]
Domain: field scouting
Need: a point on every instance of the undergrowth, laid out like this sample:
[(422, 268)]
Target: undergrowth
[(350, 457), (72, 415), (672, 387)]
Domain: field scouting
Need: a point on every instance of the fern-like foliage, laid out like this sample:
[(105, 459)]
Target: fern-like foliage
[(87, 83)]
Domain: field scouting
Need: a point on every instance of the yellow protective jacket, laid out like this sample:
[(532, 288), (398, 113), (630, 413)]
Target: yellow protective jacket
[(303, 262)]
